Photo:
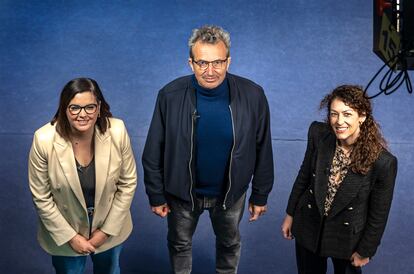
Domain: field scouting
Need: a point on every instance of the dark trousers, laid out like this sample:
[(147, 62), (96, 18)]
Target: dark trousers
[(311, 263), (182, 223)]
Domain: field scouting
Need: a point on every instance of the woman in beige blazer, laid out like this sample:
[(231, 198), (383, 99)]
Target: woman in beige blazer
[(82, 177)]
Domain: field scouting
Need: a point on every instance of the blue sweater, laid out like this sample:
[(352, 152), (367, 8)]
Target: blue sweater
[(214, 138)]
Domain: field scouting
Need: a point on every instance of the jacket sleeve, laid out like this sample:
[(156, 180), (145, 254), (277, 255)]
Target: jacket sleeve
[(379, 207), (39, 182), (153, 157), (305, 172), (264, 171), (126, 186)]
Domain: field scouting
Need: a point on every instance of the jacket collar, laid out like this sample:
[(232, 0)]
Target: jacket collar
[(192, 90)]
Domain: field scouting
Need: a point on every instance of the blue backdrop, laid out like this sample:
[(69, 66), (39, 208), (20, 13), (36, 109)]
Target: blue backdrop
[(297, 50)]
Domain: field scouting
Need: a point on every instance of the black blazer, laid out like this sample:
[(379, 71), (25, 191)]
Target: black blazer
[(359, 213)]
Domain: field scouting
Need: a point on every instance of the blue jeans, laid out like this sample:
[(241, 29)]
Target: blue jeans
[(106, 262), (182, 223)]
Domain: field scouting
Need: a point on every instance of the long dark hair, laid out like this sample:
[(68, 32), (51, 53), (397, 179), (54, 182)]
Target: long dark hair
[(69, 91), (370, 142)]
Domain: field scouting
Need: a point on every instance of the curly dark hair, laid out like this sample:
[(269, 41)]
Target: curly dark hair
[(370, 142)]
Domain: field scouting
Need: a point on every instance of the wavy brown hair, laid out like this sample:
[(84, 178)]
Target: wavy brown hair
[(370, 142)]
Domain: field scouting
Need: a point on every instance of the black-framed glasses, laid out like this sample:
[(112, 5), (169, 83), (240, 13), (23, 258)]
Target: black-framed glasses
[(76, 109), (217, 64)]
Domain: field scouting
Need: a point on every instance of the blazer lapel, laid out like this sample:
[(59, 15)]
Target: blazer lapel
[(326, 150), (102, 158), (347, 191), (66, 159)]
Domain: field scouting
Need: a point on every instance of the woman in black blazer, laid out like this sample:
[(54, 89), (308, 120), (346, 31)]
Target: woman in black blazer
[(342, 195)]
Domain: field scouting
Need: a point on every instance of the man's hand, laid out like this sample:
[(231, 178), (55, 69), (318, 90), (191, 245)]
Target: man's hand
[(256, 211), (81, 245), (358, 261), (98, 238), (161, 210)]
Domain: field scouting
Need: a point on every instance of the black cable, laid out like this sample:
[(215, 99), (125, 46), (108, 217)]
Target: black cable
[(376, 75), (389, 85)]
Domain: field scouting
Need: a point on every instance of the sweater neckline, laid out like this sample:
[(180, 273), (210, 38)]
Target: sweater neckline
[(214, 92)]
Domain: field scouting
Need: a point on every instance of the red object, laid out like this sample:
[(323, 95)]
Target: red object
[(382, 5)]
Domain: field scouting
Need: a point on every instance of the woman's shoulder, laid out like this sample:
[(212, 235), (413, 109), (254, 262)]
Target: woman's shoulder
[(46, 132), (116, 123), (319, 126), (386, 166), (116, 127), (386, 158), (319, 129)]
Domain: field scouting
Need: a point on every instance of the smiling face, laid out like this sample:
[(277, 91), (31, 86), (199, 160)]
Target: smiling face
[(84, 121), (345, 122), (210, 77)]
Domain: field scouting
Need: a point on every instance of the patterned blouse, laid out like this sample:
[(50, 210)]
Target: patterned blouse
[(337, 173)]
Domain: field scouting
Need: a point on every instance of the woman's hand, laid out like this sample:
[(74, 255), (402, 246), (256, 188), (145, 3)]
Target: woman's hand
[(98, 238), (287, 226), (358, 261), (81, 245)]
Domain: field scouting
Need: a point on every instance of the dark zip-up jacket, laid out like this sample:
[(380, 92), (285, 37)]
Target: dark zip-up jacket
[(168, 157)]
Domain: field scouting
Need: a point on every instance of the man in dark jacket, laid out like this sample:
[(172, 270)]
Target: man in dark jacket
[(209, 138)]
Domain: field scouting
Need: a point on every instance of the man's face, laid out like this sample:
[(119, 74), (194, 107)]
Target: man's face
[(215, 72)]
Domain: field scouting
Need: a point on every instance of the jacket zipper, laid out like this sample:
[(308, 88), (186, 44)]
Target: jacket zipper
[(193, 119), (231, 157)]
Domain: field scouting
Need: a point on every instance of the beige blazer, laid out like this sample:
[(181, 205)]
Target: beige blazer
[(58, 197)]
